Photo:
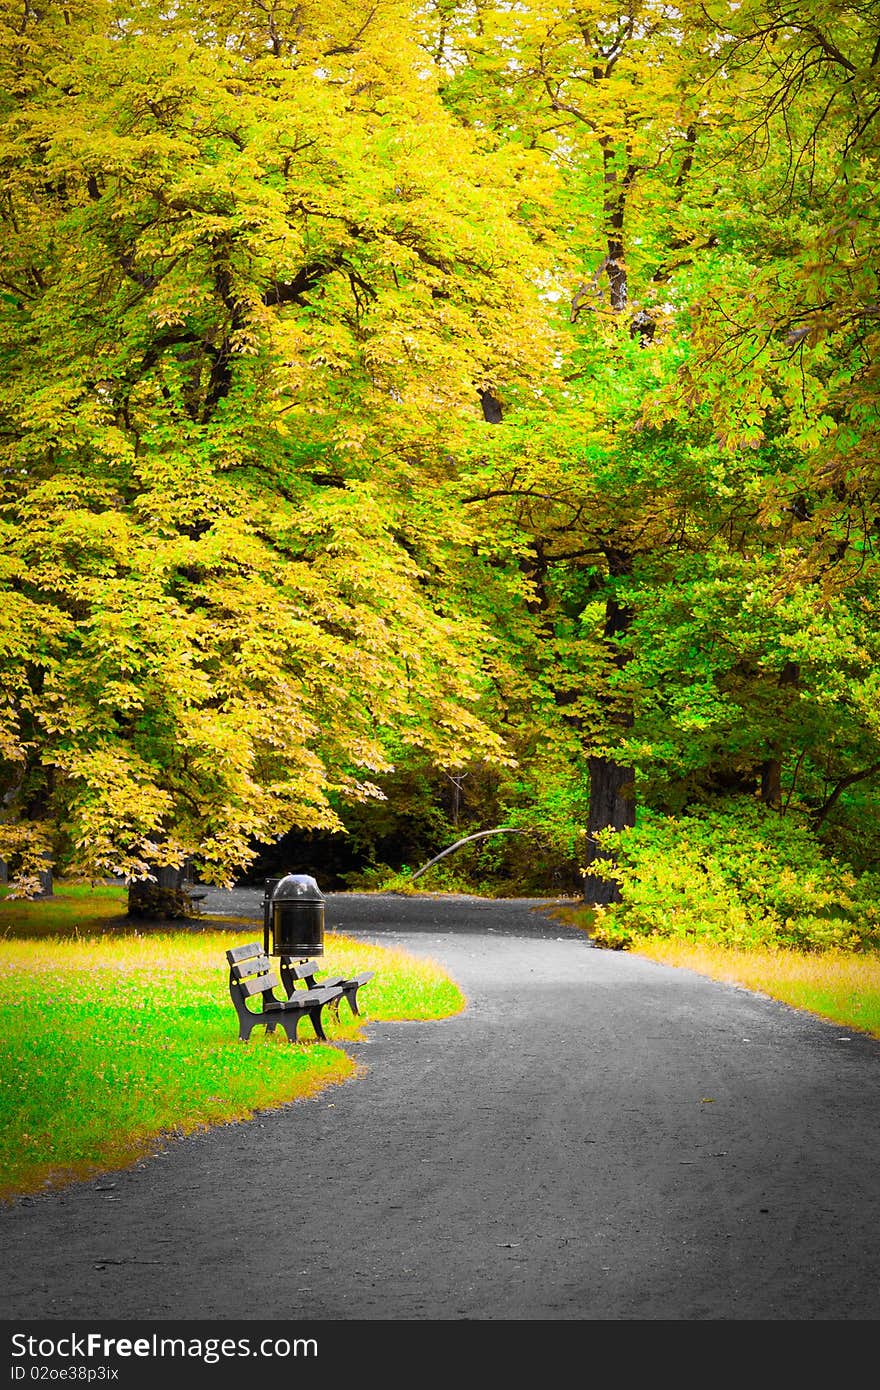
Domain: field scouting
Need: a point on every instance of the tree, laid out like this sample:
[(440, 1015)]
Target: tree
[(782, 357), (242, 310), (603, 94), (433, 388)]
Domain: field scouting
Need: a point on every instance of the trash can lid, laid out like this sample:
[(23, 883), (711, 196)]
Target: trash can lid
[(301, 887)]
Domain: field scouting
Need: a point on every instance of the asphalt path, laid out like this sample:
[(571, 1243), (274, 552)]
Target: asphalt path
[(596, 1137)]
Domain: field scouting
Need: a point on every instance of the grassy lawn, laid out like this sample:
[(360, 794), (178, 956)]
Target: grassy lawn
[(118, 1038)]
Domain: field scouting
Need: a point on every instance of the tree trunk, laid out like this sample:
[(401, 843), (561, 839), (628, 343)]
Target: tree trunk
[(612, 784), (771, 768), (47, 889), (618, 177), (37, 808), (165, 896), (612, 804), (771, 782)]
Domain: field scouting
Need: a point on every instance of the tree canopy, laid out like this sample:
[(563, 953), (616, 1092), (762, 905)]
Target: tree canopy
[(441, 392)]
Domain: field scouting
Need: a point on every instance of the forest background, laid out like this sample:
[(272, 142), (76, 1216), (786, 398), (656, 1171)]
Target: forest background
[(420, 419)]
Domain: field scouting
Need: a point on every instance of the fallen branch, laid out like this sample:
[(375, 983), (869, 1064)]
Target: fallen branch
[(501, 830)]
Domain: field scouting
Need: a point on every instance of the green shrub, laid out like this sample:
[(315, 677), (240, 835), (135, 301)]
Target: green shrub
[(736, 875), (375, 878)]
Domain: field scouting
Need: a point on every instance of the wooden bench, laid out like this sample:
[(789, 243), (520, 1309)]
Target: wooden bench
[(252, 976), (294, 971)]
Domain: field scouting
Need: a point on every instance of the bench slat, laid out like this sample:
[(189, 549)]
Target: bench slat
[(253, 948), (258, 966), (303, 999), (346, 981), (259, 985), (304, 970), (308, 969)]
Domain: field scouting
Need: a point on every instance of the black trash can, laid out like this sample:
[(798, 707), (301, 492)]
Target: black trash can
[(293, 917)]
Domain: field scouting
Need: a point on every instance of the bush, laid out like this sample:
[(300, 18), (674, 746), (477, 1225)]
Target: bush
[(375, 878), (738, 875)]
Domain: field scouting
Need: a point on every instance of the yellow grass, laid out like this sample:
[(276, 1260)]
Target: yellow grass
[(845, 989)]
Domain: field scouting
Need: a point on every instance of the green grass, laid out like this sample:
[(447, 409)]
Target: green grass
[(841, 988), (118, 1039), (75, 909)]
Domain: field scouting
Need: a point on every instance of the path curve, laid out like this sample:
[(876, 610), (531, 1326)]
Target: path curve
[(597, 1137)]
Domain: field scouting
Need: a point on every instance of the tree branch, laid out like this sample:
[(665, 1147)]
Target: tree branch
[(841, 787)]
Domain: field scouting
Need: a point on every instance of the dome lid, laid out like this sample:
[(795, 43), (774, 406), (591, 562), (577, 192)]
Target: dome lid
[(293, 887)]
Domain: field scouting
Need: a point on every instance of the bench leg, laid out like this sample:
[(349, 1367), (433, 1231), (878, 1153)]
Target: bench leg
[(350, 997), (317, 1024), (290, 1024)]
